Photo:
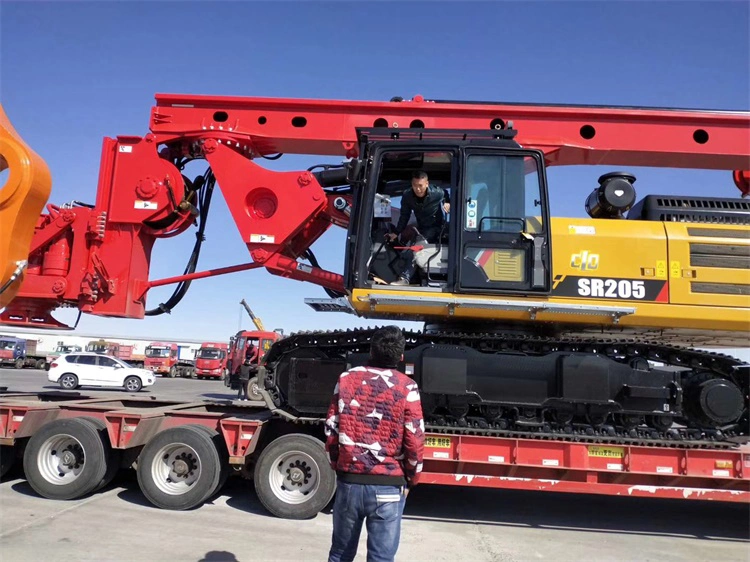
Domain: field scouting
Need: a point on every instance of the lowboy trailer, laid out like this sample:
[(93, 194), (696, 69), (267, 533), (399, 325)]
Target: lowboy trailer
[(73, 444)]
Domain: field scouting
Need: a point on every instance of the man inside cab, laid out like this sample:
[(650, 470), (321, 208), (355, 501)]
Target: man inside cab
[(427, 202)]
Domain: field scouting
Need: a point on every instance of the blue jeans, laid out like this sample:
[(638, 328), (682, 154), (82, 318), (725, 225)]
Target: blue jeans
[(381, 507)]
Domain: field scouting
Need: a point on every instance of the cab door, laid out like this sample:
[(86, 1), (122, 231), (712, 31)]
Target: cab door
[(504, 223)]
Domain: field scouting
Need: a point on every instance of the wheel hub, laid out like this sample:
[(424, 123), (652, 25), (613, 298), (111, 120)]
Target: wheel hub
[(298, 473), (61, 459), (69, 459), (183, 465), (180, 468)]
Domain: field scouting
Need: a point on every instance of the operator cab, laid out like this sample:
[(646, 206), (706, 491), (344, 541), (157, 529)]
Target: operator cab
[(389, 259), (494, 237)]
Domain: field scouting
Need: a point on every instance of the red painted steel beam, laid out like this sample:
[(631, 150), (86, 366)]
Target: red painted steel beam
[(202, 274), (672, 138)]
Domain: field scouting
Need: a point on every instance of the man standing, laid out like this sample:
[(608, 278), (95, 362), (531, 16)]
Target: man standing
[(248, 369), (375, 442), (427, 202)]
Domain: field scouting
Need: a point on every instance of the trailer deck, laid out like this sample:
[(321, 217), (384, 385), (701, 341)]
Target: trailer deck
[(458, 460)]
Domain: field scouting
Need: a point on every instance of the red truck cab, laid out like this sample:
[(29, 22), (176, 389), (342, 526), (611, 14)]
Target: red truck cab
[(164, 358), (211, 360), (238, 346), (161, 357)]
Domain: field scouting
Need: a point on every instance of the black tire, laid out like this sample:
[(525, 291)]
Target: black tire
[(19, 363), (174, 442), (7, 459), (132, 384), (113, 456), (172, 372), (40, 364), (253, 393), (221, 447), (310, 494), (79, 439), (68, 381)]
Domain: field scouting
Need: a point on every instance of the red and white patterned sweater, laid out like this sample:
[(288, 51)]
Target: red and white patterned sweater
[(374, 427)]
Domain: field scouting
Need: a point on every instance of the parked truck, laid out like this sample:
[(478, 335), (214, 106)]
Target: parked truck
[(121, 351), (238, 348), (167, 359), (211, 360), (60, 349), (20, 353)]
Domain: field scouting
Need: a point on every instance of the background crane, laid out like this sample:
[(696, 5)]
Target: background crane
[(257, 321)]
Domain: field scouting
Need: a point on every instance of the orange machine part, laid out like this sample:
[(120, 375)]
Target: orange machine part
[(22, 199)]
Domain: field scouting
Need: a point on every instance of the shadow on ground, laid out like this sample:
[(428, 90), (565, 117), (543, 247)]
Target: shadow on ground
[(218, 556), (606, 514), (657, 517)]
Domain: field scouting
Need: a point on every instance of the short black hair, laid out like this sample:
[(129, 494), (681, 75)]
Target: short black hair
[(419, 175), (387, 346)]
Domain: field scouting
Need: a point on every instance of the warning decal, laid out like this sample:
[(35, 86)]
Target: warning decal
[(606, 452)]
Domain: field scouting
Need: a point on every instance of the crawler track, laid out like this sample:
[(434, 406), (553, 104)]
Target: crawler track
[(336, 344)]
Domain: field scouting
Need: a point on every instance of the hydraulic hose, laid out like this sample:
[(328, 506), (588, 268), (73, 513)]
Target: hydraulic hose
[(183, 286)]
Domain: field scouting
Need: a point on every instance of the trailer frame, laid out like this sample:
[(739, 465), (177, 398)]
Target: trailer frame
[(249, 428)]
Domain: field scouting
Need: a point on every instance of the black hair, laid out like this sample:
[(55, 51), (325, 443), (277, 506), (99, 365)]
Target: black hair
[(386, 347), (419, 175)]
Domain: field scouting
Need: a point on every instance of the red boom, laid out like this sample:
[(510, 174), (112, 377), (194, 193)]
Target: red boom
[(97, 259)]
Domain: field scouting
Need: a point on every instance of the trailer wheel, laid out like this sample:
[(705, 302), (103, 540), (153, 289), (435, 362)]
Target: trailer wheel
[(133, 384), (7, 458), (254, 391), (40, 364), (112, 455), (66, 459), (221, 448), (179, 468), (293, 478)]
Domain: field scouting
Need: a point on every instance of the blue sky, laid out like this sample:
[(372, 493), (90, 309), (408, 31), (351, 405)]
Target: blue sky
[(72, 73)]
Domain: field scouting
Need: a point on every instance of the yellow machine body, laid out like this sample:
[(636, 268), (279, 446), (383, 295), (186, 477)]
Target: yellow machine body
[(681, 282)]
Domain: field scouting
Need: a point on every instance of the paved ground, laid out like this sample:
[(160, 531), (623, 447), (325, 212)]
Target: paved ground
[(440, 524)]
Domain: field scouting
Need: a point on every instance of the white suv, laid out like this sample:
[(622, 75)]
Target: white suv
[(93, 369)]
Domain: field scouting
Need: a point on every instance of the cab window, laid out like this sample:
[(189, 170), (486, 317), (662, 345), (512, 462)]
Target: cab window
[(503, 194)]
